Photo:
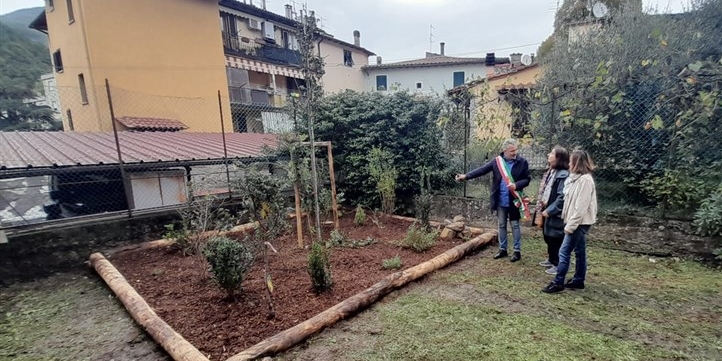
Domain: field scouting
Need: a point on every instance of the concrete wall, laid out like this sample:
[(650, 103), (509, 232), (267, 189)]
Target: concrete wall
[(434, 80), (338, 76), (154, 51)]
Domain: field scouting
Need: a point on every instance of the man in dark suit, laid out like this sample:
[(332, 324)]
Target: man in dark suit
[(504, 198)]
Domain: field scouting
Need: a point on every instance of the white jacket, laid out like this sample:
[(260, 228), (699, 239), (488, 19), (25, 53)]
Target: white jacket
[(580, 202)]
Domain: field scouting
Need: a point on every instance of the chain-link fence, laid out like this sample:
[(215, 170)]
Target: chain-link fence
[(126, 153)]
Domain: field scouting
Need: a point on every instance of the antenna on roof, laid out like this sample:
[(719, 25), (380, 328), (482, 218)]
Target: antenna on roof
[(431, 37)]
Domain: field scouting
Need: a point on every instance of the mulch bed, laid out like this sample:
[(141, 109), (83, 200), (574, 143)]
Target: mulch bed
[(182, 293)]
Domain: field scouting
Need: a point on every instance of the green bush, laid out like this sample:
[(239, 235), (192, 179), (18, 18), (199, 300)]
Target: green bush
[(360, 218), (403, 124), (319, 268), (336, 240), (393, 263), (230, 261), (708, 218), (676, 190), (418, 239)]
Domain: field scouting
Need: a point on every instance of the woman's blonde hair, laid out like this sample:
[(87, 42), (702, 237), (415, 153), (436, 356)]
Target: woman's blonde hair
[(580, 162)]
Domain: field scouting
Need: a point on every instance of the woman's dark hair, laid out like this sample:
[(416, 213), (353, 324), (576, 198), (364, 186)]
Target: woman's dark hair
[(562, 156)]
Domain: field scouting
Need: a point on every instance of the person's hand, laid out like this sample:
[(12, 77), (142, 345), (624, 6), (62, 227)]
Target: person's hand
[(460, 177), (512, 187), (545, 214)]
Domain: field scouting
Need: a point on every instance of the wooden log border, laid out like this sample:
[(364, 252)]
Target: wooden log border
[(182, 350)]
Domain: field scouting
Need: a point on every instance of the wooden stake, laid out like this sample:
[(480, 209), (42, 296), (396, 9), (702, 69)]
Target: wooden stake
[(334, 202), (176, 346), (354, 304), (297, 195)]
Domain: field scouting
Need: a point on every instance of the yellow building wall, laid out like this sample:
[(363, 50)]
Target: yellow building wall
[(339, 77), (68, 38), (163, 58), (494, 117)]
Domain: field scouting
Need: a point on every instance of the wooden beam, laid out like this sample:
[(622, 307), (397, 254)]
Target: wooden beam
[(332, 175), (315, 144)]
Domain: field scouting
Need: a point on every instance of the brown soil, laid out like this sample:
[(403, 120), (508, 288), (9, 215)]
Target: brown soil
[(183, 294)]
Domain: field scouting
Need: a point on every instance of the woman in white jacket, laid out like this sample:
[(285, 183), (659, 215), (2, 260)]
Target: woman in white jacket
[(579, 213)]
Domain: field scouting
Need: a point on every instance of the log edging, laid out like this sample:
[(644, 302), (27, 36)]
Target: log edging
[(182, 350), (290, 337), (176, 346)]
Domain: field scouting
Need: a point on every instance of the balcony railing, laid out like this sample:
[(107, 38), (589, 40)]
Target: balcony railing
[(264, 52), (248, 96)]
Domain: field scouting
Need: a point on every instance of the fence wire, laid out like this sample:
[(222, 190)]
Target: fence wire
[(167, 150)]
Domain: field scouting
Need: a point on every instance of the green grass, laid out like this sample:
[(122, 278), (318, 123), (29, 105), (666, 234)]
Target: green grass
[(634, 308)]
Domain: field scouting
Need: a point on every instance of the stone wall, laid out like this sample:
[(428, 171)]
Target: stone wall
[(41, 252), (645, 235)]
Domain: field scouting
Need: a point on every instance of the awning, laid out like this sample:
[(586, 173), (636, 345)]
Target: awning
[(262, 67)]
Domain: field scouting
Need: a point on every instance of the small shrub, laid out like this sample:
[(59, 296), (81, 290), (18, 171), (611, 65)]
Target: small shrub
[(360, 218), (423, 201), (336, 240), (319, 268), (393, 263), (418, 239), (384, 173), (230, 261), (708, 218)]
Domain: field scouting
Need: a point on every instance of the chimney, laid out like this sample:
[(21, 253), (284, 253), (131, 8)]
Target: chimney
[(263, 2), (378, 60), (490, 59), (441, 47), (289, 11), (533, 58), (356, 38), (515, 60)]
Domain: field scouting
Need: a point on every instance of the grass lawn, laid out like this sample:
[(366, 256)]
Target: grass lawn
[(634, 308)]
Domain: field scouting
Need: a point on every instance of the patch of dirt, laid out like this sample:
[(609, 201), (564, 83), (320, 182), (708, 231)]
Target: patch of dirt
[(183, 294), (70, 317)]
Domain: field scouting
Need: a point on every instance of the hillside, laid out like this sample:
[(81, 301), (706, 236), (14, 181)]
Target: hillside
[(19, 21)]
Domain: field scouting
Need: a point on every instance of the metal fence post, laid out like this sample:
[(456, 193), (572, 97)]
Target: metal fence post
[(124, 178), (225, 147)]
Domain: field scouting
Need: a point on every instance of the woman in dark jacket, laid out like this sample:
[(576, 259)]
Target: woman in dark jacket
[(551, 198)]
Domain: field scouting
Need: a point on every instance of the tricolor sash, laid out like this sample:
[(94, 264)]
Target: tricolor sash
[(520, 201)]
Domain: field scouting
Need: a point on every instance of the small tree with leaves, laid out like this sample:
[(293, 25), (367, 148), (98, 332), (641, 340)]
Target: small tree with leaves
[(383, 172), (264, 204)]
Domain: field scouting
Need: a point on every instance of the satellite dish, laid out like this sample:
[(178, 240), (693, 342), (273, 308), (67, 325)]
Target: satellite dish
[(599, 10), (526, 59)]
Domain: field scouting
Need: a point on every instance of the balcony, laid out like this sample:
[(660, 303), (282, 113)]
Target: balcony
[(248, 48), (256, 97)]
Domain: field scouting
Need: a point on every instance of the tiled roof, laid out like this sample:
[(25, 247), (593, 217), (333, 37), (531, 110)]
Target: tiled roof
[(434, 60), (140, 123), (513, 71), (20, 150)]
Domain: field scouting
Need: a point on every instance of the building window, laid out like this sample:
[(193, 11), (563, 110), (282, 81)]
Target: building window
[(458, 78), (71, 16), (58, 61), (419, 85), (381, 82), (83, 90), (347, 58), (69, 118), (49, 4)]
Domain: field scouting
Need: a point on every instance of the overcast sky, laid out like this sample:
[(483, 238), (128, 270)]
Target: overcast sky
[(400, 29)]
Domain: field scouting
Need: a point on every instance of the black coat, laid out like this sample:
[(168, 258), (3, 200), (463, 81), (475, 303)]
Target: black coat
[(554, 224), (520, 173)]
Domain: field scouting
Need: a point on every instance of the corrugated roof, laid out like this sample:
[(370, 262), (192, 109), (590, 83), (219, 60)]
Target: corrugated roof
[(20, 150), (144, 123)]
